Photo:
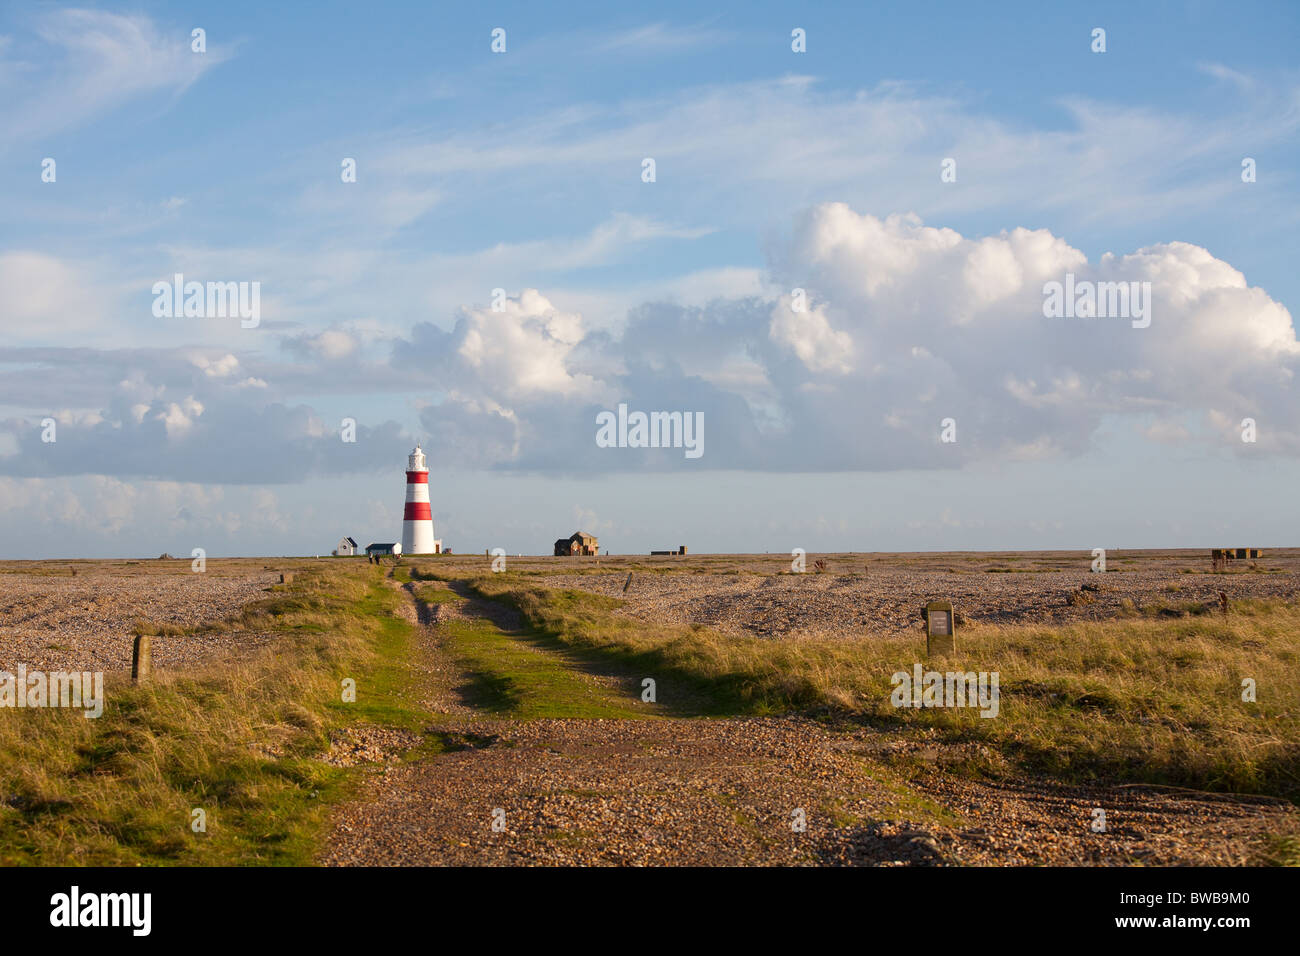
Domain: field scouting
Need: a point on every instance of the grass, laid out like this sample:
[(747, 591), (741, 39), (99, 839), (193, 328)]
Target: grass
[(519, 673), (433, 594), (1139, 698), (1281, 851), (1151, 696), (237, 740)]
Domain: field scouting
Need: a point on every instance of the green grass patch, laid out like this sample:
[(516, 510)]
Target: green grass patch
[(435, 594), (519, 673), (511, 676)]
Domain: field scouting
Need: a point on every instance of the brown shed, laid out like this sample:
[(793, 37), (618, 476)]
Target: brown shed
[(578, 543)]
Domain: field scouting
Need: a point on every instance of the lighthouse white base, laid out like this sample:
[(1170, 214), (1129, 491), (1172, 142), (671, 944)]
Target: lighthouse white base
[(417, 538)]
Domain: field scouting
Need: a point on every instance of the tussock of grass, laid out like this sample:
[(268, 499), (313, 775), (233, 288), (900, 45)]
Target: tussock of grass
[(143, 628), (1153, 699), (235, 740)]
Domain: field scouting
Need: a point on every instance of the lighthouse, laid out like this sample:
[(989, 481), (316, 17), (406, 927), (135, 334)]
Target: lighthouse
[(417, 520)]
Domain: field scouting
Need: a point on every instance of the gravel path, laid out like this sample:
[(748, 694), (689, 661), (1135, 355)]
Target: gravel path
[(437, 675), (733, 791)]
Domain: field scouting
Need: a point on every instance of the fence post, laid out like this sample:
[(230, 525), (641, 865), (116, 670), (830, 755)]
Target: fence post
[(141, 658)]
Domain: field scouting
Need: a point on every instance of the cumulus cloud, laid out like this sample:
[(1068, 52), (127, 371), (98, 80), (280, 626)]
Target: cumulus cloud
[(522, 347), (905, 325), (184, 415), (808, 333), (222, 367)]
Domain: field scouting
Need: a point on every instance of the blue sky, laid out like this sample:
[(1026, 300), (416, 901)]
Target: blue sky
[(522, 171)]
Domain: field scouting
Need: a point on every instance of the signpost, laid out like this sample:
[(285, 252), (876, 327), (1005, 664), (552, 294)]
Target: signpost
[(940, 629)]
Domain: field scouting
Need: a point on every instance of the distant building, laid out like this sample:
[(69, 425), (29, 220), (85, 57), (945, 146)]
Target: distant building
[(680, 550), (578, 543), (388, 547), (1221, 556), (346, 547)]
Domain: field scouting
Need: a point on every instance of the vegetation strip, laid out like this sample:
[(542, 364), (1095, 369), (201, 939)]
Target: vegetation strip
[(516, 672), (1137, 698), (239, 741)]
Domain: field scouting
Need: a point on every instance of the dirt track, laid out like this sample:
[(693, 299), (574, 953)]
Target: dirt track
[(728, 792)]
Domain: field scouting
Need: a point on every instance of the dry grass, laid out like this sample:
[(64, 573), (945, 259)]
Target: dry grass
[(1155, 699), (234, 740)]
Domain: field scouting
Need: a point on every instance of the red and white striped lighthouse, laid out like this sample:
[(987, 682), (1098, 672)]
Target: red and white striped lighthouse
[(417, 520)]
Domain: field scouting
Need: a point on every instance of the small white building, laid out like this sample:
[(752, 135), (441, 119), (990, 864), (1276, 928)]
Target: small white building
[(347, 546), (384, 547)]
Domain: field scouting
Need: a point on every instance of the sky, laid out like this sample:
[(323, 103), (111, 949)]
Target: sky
[(836, 258)]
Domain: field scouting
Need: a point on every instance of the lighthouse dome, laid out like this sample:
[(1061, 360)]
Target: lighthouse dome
[(415, 462)]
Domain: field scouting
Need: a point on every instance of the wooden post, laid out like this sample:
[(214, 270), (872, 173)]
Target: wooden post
[(141, 659), (628, 583)]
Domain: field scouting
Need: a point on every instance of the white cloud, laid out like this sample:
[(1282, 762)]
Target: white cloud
[(179, 417), (1241, 80), (789, 139), (332, 344), (907, 324), (90, 62), (45, 296), (95, 505), (810, 336), (603, 244), (222, 367), (662, 38), (522, 349)]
